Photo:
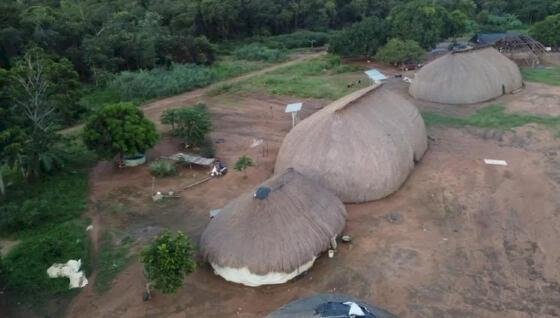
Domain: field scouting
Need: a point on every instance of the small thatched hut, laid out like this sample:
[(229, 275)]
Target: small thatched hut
[(466, 77), (273, 234), (362, 147)]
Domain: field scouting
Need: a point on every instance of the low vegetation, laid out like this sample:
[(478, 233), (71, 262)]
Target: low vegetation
[(398, 51), (112, 259), (163, 168), (324, 78), (243, 163), (191, 124), (494, 117), (548, 75), (168, 260), (259, 52)]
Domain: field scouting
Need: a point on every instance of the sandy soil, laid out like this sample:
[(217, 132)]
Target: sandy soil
[(460, 239)]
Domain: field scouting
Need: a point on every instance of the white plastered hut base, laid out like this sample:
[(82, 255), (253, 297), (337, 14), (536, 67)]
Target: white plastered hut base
[(245, 277)]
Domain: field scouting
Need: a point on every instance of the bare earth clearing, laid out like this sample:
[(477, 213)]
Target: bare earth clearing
[(460, 239)]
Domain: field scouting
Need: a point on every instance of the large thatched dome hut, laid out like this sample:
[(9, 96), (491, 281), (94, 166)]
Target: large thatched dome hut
[(467, 77), (362, 147), (273, 234)]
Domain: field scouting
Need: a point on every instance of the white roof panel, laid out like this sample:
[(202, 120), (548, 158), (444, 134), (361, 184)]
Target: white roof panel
[(292, 108)]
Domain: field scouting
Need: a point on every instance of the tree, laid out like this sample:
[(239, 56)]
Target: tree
[(398, 51), (546, 31), (361, 39), (167, 261), (243, 163), (190, 123), (119, 129), (457, 23), (419, 20)]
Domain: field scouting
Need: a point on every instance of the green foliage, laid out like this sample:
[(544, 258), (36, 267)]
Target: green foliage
[(190, 123), (162, 168), (24, 268), (397, 51), (488, 22), (258, 52), (298, 39), (119, 129), (243, 163), (546, 31), (112, 259), (361, 39), (491, 117), (168, 260), (549, 75), (419, 20)]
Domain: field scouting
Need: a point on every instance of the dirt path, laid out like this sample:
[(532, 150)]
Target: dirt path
[(153, 110)]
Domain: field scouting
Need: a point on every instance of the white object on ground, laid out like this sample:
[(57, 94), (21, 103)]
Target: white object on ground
[(157, 197), (355, 310), (331, 253), (495, 162), (407, 79), (71, 270), (256, 142), (89, 227), (214, 213)]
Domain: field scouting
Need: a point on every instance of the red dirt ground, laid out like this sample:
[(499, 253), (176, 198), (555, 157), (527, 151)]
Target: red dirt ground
[(460, 239)]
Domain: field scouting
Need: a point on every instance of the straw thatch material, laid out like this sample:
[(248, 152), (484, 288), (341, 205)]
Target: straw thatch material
[(362, 147), (277, 234), (466, 77)]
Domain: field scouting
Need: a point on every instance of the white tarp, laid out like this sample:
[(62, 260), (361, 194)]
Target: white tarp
[(70, 269), (355, 309), (495, 162)]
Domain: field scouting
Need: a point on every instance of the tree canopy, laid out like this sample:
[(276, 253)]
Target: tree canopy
[(119, 129), (547, 31)]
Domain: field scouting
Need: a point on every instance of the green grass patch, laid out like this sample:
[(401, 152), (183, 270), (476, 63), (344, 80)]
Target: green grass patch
[(324, 78), (24, 269), (491, 117), (113, 258), (259, 52), (549, 75)]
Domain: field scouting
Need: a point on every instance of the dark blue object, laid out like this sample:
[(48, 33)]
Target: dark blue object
[(262, 193)]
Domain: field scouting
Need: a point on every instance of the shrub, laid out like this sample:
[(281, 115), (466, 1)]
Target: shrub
[(142, 85), (163, 168), (397, 51), (243, 163), (24, 268), (546, 31), (168, 260), (189, 123), (119, 129), (361, 39), (259, 52), (298, 39)]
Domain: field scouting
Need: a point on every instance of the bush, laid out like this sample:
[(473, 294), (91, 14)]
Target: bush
[(163, 168), (298, 39), (119, 129), (546, 31), (189, 123), (56, 199), (168, 260), (397, 51), (361, 39), (259, 52), (24, 268)]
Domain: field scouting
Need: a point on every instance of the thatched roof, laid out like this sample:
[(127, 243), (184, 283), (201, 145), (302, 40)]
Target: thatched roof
[(466, 77), (362, 147), (287, 227)]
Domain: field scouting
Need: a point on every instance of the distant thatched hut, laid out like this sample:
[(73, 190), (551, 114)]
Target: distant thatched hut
[(466, 77), (273, 234), (362, 147)]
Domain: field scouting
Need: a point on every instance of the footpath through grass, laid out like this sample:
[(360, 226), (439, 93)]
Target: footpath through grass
[(549, 75), (45, 217), (322, 78), (493, 116)]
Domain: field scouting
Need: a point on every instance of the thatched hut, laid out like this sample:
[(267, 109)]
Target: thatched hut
[(273, 234), (466, 77), (362, 147)]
